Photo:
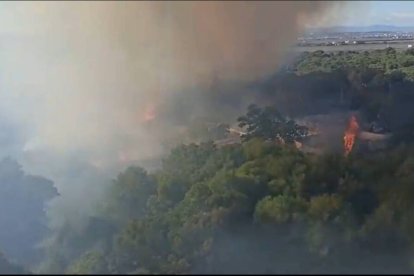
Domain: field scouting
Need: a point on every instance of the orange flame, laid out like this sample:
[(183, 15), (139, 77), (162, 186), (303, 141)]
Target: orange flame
[(350, 135), (149, 113)]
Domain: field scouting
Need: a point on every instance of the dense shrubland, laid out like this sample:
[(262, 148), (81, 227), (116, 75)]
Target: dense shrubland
[(254, 207)]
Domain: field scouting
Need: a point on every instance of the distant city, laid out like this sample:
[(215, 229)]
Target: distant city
[(354, 38)]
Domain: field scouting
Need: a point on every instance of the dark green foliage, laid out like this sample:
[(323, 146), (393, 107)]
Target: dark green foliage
[(89, 263), (130, 193), (257, 207), (388, 59), (270, 124), (379, 83), (265, 207), (6, 267), (23, 222)]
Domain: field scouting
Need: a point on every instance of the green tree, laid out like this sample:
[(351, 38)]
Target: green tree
[(89, 263), (270, 124), (280, 209), (129, 194)]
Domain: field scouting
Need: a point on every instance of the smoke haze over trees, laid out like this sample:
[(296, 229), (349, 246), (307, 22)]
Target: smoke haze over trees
[(78, 78), (255, 207), (23, 218), (110, 109)]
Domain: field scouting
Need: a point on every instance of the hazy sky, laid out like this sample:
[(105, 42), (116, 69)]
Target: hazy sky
[(357, 13), (400, 13)]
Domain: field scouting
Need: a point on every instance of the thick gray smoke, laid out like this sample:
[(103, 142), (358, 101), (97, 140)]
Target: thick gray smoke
[(83, 81)]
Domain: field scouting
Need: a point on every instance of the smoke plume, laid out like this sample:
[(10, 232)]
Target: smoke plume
[(85, 80)]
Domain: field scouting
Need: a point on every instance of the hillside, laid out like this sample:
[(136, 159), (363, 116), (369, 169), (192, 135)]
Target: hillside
[(256, 203), (254, 207)]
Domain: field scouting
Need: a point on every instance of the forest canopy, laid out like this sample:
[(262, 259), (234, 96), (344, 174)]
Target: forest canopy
[(253, 207)]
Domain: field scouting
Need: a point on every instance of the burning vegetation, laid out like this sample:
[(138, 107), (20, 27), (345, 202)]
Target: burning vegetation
[(149, 113), (350, 135), (200, 207)]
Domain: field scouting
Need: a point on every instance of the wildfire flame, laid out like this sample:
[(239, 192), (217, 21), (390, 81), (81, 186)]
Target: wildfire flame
[(149, 113), (350, 135)]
